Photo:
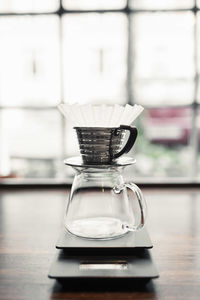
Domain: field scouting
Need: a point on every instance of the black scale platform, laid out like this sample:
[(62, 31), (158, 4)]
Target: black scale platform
[(126, 259)]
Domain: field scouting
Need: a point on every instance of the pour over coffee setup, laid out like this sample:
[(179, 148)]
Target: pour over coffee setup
[(104, 236)]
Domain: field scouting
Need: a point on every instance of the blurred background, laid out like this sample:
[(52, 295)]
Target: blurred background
[(99, 51)]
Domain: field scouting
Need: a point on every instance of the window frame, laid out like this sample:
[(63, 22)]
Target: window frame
[(129, 12)]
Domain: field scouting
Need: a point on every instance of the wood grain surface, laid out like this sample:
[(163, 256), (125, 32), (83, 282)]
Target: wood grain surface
[(31, 220)]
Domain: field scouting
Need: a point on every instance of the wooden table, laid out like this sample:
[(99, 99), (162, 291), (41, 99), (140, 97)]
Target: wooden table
[(31, 220)]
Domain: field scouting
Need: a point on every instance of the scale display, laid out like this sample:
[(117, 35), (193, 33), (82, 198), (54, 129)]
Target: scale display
[(112, 265)]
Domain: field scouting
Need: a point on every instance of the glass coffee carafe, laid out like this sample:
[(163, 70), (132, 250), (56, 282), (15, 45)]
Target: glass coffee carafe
[(101, 205)]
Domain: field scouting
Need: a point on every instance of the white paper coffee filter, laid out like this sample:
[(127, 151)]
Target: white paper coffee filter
[(100, 115)]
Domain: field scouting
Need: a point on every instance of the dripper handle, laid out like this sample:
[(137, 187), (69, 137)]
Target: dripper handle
[(130, 142)]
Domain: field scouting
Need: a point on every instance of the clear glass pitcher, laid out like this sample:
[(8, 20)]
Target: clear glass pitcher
[(101, 205)]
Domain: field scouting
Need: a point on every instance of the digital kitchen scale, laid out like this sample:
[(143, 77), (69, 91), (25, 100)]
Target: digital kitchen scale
[(125, 260)]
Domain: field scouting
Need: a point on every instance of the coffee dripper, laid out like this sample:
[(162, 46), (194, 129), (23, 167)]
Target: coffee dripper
[(101, 204)]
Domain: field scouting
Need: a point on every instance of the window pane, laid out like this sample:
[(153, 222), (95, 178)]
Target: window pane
[(198, 91), (198, 126), (164, 45), (163, 58), (94, 4), (72, 147), (28, 5), (162, 148), (30, 142), (95, 58), (161, 4), (198, 54), (163, 92), (29, 61)]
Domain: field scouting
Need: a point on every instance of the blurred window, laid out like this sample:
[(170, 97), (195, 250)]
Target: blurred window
[(99, 51)]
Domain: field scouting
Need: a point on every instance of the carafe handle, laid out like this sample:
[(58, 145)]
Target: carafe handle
[(130, 142), (141, 202)]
